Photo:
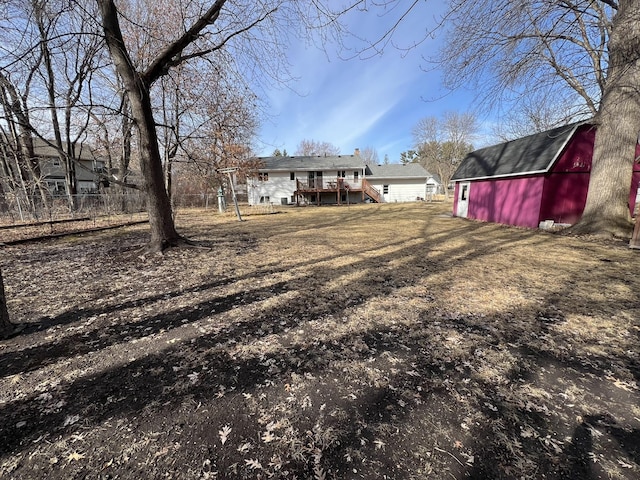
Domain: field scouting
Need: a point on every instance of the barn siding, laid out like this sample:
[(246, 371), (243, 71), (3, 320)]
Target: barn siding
[(559, 195), (512, 201), (566, 186), (564, 197)]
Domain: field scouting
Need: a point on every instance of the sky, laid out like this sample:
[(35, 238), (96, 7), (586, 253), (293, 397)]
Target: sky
[(360, 103)]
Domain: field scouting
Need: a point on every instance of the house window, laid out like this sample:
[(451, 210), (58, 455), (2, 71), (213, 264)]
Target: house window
[(385, 189), (264, 199), (356, 174), (293, 199), (431, 188), (292, 175), (57, 187), (341, 174), (263, 177)]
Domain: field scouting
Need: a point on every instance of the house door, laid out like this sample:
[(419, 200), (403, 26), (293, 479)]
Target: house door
[(315, 179), (462, 208)]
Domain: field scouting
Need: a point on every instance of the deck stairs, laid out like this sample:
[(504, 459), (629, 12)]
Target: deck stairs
[(372, 192)]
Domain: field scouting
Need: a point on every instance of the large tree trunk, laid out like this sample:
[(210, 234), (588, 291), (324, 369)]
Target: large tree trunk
[(7, 329), (606, 211), (163, 232)]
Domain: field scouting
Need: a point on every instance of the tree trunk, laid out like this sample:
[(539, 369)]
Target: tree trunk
[(606, 211), (7, 329), (163, 232)]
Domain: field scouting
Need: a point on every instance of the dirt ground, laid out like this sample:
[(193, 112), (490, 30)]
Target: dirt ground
[(370, 341)]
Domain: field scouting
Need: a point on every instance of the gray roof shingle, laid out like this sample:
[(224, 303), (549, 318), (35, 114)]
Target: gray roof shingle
[(532, 154), (334, 162), (397, 170)]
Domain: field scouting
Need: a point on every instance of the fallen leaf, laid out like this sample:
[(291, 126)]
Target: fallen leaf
[(75, 456), (224, 433), (253, 464)]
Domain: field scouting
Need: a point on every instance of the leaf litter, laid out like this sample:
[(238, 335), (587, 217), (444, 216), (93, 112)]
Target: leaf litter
[(374, 341)]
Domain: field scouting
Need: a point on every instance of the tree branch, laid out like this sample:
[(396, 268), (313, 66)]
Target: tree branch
[(168, 56)]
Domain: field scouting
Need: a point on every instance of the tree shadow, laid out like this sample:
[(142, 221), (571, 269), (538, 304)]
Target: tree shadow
[(227, 361)]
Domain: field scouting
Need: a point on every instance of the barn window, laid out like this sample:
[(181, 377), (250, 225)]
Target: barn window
[(465, 192), (385, 189)]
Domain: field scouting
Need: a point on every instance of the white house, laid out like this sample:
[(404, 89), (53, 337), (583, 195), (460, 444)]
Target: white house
[(339, 179)]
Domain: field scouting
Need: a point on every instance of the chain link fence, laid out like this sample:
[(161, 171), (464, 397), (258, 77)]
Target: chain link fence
[(16, 209), (22, 208)]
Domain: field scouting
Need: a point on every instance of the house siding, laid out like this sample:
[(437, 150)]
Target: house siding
[(406, 182), (278, 186), (400, 190)]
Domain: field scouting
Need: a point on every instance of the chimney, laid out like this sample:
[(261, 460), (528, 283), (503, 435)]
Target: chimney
[(357, 152)]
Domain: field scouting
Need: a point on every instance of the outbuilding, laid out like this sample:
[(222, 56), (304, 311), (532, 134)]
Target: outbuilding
[(538, 180)]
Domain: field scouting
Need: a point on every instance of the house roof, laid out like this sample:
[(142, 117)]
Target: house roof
[(397, 170), (43, 149), (528, 155), (333, 162)]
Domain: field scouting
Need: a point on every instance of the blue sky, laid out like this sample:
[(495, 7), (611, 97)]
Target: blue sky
[(361, 103)]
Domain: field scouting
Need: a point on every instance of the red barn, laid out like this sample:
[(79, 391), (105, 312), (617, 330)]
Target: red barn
[(532, 179)]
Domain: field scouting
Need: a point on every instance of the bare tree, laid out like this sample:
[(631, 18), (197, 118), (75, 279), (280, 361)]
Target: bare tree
[(69, 53), (535, 113), (441, 144), (18, 135), (518, 49), (202, 33), (369, 156), (46, 67), (315, 147)]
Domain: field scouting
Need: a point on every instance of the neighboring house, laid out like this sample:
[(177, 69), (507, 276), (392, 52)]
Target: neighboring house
[(88, 168), (538, 178), (339, 179), (401, 182)]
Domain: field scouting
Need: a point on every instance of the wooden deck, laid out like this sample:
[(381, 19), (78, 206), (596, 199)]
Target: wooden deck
[(339, 186)]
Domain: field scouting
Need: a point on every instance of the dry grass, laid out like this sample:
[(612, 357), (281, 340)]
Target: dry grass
[(375, 341)]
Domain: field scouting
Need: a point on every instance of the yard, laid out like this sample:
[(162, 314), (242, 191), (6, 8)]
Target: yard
[(371, 341)]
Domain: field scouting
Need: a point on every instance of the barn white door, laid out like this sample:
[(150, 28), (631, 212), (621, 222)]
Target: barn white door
[(462, 208)]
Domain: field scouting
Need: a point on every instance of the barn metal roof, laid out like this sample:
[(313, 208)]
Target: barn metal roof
[(524, 156)]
